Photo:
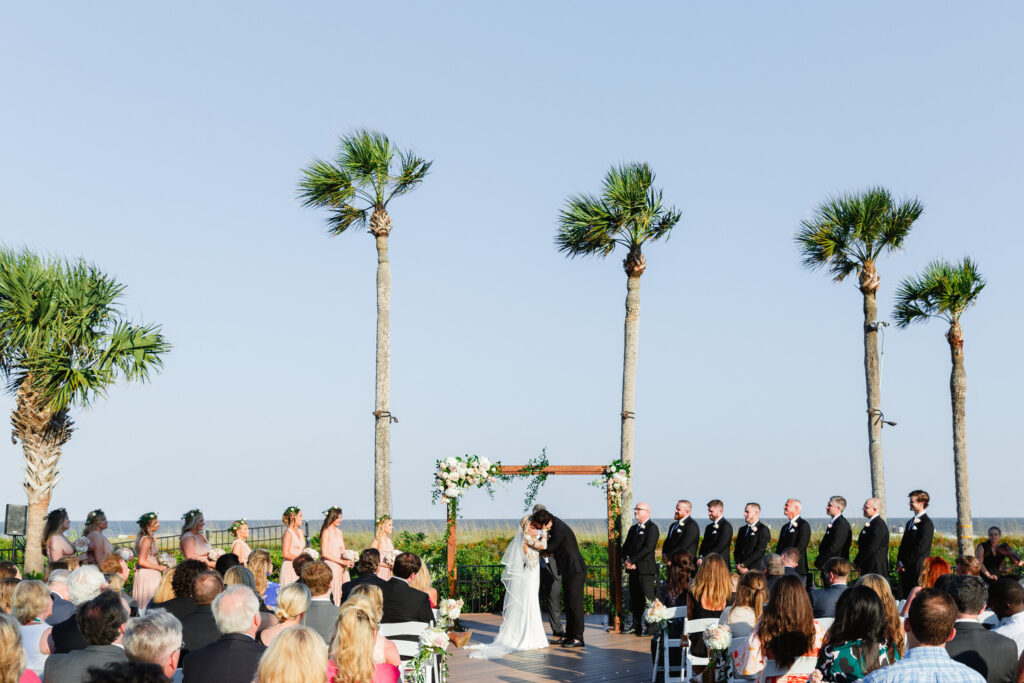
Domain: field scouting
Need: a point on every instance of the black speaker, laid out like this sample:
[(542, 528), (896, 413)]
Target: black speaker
[(15, 520)]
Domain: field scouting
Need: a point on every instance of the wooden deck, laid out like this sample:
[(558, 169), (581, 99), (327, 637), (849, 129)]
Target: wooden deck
[(607, 657)]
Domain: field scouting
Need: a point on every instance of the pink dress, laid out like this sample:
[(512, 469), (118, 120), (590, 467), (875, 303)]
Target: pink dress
[(385, 546), (203, 546), (59, 548), (288, 574), (333, 543), (242, 550), (96, 538), (146, 580), (385, 673)]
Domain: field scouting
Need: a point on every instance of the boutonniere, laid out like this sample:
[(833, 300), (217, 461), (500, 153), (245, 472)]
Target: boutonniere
[(829, 525), (867, 525), (753, 527)]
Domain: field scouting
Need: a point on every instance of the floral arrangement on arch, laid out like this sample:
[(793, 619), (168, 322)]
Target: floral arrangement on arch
[(455, 475), (614, 481)]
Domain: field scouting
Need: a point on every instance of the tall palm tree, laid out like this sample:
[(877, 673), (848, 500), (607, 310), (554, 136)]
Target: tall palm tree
[(63, 343), (848, 234), (627, 213), (356, 188), (944, 290)]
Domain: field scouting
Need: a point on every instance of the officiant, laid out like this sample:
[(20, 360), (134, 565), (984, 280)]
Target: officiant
[(641, 567)]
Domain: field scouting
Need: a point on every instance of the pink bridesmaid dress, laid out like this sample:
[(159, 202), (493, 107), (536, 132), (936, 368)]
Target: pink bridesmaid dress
[(203, 547), (385, 546), (333, 543), (288, 574), (146, 580), (242, 550)]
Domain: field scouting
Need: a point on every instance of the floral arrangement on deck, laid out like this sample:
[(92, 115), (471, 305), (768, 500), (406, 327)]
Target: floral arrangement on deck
[(434, 642), (450, 610)]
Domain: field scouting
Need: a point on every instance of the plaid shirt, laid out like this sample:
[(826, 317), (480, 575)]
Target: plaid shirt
[(925, 665)]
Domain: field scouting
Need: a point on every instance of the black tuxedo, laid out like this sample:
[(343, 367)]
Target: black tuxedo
[(795, 535), (681, 536), (371, 579), (402, 602), (915, 546), (835, 542), (873, 548), (639, 547), (232, 658), (179, 607), (198, 629), (717, 539), (563, 547), (992, 655), (750, 545)]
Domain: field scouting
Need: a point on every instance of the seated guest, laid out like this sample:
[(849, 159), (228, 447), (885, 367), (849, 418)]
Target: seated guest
[(226, 562), (1006, 599), (351, 658), (773, 569), (930, 625), (198, 627), (931, 570), (154, 638), (116, 584), (114, 564), (834, 573), (742, 616), (7, 590), (299, 655), (233, 657), (292, 605), (262, 567), (322, 611), (791, 562), (990, 654), (30, 605), (13, 661), (424, 583), (371, 599), (127, 672), (9, 570), (299, 563), (894, 632), (402, 602), (239, 575), (63, 608), (181, 583), (968, 565), (855, 644), (369, 560), (708, 596), (673, 593), (84, 584), (102, 621), (787, 630)]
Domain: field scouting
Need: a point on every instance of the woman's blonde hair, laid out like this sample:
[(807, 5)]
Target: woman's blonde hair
[(752, 591), (115, 581), (370, 594), (261, 565), (292, 601), (12, 655), (894, 624), (422, 580), (297, 655), (712, 585), (164, 591), (30, 599), (379, 531), (6, 591), (352, 646), (239, 575)]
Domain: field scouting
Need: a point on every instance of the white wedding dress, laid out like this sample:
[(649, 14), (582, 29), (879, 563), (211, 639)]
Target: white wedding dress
[(522, 627)]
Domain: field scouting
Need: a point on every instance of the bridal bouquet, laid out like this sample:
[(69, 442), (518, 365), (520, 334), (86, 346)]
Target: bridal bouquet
[(82, 545), (450, 609), (350, 555), (167, 559), (656, 615), (125, 554), (312, 553), (717, 638)]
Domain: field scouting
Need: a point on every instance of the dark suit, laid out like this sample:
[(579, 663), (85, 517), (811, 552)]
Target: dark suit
[(771, 579), (823, 600), (638, 548), (915, 546), (795, 534), (321, 615), (371, 579), (551, 593), (873, 548), (563, 547), (198, 629), (62, 610), (990, 654), (67, 637), (233, 658), (835, 543), (717, 539), (750, 545), (683, 535), (73, 667), (403, 603), (179, 607)]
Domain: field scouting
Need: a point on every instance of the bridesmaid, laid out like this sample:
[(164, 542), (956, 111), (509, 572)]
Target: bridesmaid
[(55, 544), (292, 544), (194, 545), (240, 528), (382, 542), (148, 570), (95, 523), (332, 551)]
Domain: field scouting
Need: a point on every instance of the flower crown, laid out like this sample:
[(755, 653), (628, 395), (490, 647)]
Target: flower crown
[(56, 512), (383, 518), (331, 509), (145, 519), (292, 510), (191, 514), (91, 517), (237, 524)]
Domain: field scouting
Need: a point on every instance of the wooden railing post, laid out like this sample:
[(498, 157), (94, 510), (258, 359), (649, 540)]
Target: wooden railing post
[(614, 565)]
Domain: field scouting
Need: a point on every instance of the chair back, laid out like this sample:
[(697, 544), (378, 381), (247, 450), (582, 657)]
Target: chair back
[(825, 622), (695, 628), (406, 637), (802, 666)]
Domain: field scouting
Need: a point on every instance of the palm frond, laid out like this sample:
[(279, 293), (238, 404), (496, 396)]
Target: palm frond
[(413, 171), (585, 226), (367, 156), (325, 184), (942, 290)]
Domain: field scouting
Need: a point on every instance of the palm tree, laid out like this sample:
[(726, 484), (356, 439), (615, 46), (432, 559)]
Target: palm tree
[(629, 213), (945, 291), (63, 343), (848, 234), (356, 188)]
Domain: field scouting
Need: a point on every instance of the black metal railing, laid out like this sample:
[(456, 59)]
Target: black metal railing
[(259, 537), (16, 553), (481, 589)]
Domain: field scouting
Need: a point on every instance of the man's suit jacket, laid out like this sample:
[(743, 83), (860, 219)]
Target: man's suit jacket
[(717, 539), (835, 543), (639, 547), (873, 548), (797, 536), (990, 654), (62, 610), (67, 637), (750, 545), (823, 600), (681, 536), (73, 667), (179, 607), (402, 602), (371, 579), (566, 551), (232, 658), (198, 629), (916, 545), (321, 615)]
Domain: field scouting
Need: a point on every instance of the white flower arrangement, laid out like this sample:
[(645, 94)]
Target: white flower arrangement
[(82, 545), (350, 555), (312, 553), (389, 557), (125, 554), (717, 637), (434, 638), (615, 481), (455, 475), (656, 614), (216, 554), (450, 609), (167, 560)]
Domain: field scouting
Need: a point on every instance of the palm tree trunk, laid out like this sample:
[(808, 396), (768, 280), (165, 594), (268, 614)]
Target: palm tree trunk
[(629, 356), (874, 395), (958, 397), (382, 395), (34, 534)]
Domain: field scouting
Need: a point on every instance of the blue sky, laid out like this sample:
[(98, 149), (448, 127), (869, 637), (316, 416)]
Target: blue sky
[(164, 144)]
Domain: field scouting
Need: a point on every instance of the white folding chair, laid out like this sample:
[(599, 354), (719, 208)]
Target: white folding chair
[(694, 628), (664, 643), (899, 606), (405, 636), (738, 645), (802, 666), (825, 622)]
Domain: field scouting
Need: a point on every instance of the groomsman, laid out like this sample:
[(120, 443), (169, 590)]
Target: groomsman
[(683, 534), (751, 540), (873, 542), (837, 538), (795, 534), (717, 534), (641, 565), (916, 544)]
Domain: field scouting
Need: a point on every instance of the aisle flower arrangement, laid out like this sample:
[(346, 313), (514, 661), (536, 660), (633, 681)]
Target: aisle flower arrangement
[(434, 642), (717, 638), (656, 615)]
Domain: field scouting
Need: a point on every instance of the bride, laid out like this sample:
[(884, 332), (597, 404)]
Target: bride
[(522, 627)]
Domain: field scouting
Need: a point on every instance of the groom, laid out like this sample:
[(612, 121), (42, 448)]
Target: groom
[(563, 547)]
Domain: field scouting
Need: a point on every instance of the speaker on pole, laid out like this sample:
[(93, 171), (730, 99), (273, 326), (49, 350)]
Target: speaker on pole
[(15, 521)]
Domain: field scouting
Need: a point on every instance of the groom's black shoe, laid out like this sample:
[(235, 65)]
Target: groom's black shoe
[(572, 642), (558, 634)]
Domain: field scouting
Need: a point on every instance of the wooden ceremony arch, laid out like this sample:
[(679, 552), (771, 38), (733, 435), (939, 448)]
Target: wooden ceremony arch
[(614, 535)]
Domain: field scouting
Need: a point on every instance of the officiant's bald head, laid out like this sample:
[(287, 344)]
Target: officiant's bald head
[(538, 507)]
